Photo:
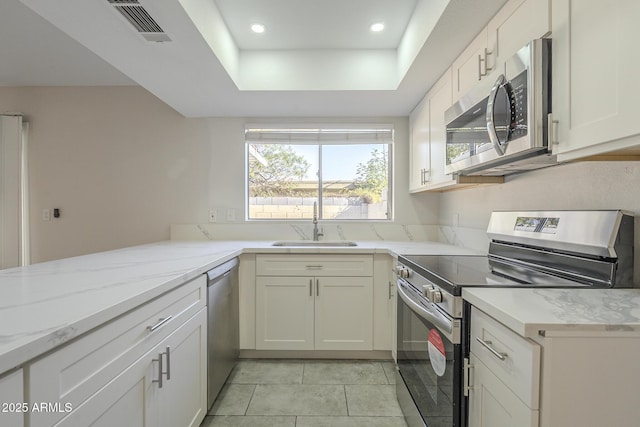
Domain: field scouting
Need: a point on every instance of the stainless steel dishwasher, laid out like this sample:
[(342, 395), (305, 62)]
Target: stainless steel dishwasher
[(223, 340)]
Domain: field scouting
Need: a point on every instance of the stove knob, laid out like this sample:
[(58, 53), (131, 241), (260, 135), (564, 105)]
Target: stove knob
[(435, 296), (402, 271), (427, 289)]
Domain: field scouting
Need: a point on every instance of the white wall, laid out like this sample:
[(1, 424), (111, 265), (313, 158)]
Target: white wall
[(122, 166)]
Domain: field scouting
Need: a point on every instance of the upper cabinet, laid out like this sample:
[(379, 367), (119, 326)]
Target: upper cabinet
[(428, 138), (517, 23), (595, 83), (419, 154), (471, 66)]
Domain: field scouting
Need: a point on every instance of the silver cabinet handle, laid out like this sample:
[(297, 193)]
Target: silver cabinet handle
[(314, 267), (317, 287), (161, 322), (487, 345), (483, 61), (168, 372), (467, 386), (159, 380), (310, 287), (391, 285)]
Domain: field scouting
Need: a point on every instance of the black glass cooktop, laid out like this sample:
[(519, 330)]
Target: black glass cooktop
[(453, 272)]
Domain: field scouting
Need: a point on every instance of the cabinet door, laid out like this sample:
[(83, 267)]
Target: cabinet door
[(122, 402), (595, 88), (183, 399), (515, 25), (135, 398), (468, 67), (344, 313), (439, 101), (492, 404), (12, 393), (284, 313), (420, 154)]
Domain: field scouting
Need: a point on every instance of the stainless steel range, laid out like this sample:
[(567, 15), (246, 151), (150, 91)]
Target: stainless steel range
[(559, 249)]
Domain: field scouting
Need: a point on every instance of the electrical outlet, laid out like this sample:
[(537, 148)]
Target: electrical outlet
[(46, 214), (213, 215), (231, 215), (455, 220)]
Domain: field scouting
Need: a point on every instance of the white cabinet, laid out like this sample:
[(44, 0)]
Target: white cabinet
[(595, 83), (420, 154), (492, 404), (573, 376), (137, 398), (429, 137), (314, 302), (517, 23), (471, 66), (107, 375), (504, 375), (12, 399)]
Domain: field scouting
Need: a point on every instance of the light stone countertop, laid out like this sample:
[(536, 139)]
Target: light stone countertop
[(560, 312), (45, 305)]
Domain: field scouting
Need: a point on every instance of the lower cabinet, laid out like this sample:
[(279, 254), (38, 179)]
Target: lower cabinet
[(317, 302), (12, 399), (314, 313), (152, 393), (145, 368), (503, 376), (493, 404)]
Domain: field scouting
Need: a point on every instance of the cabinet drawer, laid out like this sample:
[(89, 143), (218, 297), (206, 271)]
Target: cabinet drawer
[(314, 265), (519, 368), (82, 367)]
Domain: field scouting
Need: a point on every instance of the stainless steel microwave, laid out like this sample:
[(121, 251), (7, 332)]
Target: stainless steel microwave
[(501, 126)]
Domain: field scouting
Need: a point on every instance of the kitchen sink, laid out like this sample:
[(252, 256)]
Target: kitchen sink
[(315, 243)]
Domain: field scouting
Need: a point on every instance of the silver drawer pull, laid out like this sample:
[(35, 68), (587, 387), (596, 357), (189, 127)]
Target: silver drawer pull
[(161, 322), (314, 267), (487, 345)]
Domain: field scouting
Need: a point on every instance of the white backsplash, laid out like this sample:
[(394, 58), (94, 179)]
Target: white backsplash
[(469, 238), (304, 231)]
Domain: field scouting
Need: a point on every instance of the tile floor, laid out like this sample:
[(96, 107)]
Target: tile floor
[(308, 393)]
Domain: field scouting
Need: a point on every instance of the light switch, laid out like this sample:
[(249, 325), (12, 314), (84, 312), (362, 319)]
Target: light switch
[(46, 214), (213, 215), (231, 215)]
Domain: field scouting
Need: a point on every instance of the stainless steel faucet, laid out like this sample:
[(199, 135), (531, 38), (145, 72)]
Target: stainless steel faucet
[(316, 233)]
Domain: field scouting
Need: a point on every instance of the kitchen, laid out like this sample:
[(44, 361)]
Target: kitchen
[(122, 165)]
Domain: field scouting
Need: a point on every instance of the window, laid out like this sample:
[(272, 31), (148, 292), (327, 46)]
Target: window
[(345, 171)]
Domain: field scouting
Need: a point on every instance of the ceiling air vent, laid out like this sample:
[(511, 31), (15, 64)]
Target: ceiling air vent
[(137, 16)]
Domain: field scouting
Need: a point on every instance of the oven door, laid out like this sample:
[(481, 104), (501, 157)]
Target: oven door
[(429, 384)]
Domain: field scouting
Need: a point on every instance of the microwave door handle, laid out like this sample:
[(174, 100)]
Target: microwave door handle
[(491, 124)]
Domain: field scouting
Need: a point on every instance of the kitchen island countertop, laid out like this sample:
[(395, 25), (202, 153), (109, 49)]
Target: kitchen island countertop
[(45, 305)]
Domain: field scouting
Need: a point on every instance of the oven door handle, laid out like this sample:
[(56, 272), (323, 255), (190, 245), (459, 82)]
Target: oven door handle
[(443, 323)]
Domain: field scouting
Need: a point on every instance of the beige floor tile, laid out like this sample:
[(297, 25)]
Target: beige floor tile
[(372, 400), (266, 372), (303, 399), (346, 372), (350, 422), (233, 399), (236, 421)]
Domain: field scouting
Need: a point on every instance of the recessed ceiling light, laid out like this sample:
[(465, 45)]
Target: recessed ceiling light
[(377, 27), (257, 28)]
